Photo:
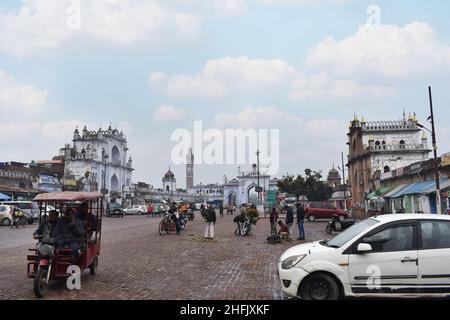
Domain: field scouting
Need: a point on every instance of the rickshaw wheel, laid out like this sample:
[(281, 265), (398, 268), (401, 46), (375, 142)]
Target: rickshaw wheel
[(94, 265), (161, 228), (40, 283)]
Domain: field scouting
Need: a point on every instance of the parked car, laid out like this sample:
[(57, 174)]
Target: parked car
[(30, 208), (114, 210), (48, 209), (399, 255), (5, 215), (136, 209), (323, 210)]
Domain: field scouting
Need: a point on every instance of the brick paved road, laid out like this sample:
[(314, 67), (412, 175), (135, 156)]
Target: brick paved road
[(137, 263)]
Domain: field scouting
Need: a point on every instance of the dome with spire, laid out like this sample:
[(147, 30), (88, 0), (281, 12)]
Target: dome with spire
[(333, 172), (169, 174)]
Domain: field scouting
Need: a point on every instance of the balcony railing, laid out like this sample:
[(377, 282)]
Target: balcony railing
[(397, 147)]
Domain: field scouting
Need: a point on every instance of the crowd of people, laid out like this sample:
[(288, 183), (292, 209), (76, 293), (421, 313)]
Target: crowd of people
[(285, 231)]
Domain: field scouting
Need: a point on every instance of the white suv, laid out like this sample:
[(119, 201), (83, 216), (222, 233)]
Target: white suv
[(136, 209), (406, 255)]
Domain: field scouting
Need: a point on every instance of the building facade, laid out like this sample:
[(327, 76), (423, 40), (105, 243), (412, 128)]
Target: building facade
[(242, 189), (169, 182), (98, 161), (381, 146)]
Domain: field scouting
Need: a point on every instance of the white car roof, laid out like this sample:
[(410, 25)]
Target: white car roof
[(409, 216)]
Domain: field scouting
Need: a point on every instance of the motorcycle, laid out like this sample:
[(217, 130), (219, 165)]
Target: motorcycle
[(190, 215), (42, 277), (19, 219), (332, 225), (183, 220)]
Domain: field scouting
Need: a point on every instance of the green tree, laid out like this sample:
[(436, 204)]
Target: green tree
[(310, 185), (292, 185)]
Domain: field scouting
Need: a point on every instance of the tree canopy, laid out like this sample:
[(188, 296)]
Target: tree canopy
[(309, 185)]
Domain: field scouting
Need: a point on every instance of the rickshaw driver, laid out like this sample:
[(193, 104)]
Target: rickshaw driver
[(45, 230), (69, 232)]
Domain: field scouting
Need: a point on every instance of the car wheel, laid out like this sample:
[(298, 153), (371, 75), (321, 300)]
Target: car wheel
[(311, 218), (320, 287), (6, 222)]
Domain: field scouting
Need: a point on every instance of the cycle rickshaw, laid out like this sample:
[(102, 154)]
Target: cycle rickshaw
[(47, 263)]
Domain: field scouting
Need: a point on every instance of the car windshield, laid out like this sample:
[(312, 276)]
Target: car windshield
[(350, 233)]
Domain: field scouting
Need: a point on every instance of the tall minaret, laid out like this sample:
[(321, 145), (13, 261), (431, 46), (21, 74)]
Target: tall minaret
[(190, 170)]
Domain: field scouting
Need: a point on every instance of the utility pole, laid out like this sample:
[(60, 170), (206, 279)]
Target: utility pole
[(344, 182), (105, 157), (259, 188), (433, 136)]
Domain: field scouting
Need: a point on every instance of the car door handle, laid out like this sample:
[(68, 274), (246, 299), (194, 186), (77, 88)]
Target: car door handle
[(405, 260)]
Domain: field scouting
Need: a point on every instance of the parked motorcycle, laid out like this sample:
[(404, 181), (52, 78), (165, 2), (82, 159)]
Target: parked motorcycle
[(338, 225), (247, 227)]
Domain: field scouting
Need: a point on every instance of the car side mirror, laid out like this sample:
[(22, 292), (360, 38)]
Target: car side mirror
[(364, 247)]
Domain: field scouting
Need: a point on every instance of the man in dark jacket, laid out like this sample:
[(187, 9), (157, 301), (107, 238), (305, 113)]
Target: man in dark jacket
[(301, 221), (69, 231), (175, 217), (289, 220), (45, 230), (210, 217)]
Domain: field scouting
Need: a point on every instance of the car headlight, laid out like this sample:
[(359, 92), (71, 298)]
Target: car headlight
[(292, 261)]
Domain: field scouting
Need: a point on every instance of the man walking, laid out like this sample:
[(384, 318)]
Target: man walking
[(301, 221), (289, 220), (210, 217)]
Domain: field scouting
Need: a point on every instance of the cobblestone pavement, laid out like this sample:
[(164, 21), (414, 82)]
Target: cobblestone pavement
[(137, 263)]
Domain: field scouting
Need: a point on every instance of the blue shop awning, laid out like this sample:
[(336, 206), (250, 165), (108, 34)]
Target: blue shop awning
[(4, 197), (444, 184), (415, 188), (395, 191)]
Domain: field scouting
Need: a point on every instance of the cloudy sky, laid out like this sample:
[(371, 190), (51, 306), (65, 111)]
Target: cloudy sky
[(150, 67)]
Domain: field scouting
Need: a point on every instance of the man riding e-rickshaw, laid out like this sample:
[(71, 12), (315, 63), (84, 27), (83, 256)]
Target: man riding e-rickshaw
[(73, 240)]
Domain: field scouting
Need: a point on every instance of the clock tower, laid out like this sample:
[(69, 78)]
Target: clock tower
[(190, 170)]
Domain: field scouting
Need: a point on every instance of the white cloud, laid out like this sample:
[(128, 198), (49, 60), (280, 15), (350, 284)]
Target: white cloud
[(302, 2), (43, 25), (167, 113), (19, 98), (222, 77), (256, 117), (322, 87), (388, 51)]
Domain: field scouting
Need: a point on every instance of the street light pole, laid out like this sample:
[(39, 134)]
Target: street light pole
[(344, 182), (259, 188), (433, 136)]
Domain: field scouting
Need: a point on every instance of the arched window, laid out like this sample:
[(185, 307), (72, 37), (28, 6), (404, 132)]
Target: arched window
[(387, 169), (377, 145), (114, 184), (402, 144), (115, 154)]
